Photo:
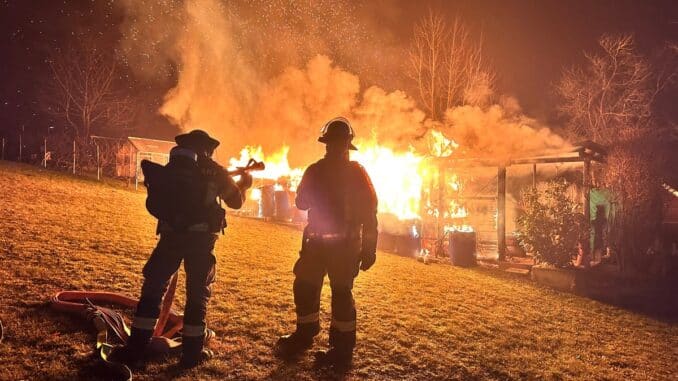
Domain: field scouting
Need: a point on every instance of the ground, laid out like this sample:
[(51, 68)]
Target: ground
[(415, 321)]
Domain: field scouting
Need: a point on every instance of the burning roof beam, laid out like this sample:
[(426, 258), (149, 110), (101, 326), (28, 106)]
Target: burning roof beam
[(583, 151)]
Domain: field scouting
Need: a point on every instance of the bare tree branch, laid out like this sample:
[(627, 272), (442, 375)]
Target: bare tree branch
[(611, 100), (447, 66), (82, 94)]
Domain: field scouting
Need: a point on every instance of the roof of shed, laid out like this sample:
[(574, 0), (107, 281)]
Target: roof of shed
[(151, 145)]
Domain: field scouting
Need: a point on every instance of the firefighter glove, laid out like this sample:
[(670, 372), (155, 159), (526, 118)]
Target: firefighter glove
[(367, 259), (245, 181)]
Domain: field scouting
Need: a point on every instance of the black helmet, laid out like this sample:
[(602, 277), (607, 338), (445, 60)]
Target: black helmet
[(337, 129), (197, 140)]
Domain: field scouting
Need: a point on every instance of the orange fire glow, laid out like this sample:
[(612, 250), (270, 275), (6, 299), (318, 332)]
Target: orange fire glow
[(277, 166), (399, 177), (396, 177)]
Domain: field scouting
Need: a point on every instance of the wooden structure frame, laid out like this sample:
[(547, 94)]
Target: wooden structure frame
[(585, 152)]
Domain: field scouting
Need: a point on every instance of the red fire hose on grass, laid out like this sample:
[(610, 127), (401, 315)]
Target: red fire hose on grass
[(166, 337)]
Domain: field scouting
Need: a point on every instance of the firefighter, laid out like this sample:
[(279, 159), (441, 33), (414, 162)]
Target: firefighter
[(201, 181), (340, 239)]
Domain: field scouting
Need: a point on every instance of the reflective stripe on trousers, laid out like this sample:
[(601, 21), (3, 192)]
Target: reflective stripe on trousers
[(344, 326), (309, 318)]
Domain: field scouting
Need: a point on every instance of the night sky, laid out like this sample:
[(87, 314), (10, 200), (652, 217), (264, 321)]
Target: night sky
[(528, 42)]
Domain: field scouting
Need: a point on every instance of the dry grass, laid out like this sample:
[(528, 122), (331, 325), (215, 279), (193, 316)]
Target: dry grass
[(415, 321)]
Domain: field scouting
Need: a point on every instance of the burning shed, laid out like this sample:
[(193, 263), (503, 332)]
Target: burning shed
[(133, 150)]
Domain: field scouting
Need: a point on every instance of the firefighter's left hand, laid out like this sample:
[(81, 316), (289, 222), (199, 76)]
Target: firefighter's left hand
[(367, 259), (245, 181)]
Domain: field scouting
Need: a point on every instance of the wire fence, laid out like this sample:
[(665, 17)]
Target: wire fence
[(96, 157)]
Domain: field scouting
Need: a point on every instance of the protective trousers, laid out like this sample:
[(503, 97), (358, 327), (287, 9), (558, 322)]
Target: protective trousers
[(339, 260), (196, 250)]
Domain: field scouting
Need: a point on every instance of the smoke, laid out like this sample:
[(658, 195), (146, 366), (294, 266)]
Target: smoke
[(292, 107), (391, 118), (262, 73), (499, 132), (216, 87)]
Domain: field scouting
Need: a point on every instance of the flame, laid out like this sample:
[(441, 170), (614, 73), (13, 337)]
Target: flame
[(459, 228), (455, 183), (277, 166), (255, 194), (456, 211), (440, 145), (398, 178)]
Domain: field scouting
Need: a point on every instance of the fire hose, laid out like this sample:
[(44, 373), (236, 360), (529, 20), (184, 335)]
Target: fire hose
[(166, 336)]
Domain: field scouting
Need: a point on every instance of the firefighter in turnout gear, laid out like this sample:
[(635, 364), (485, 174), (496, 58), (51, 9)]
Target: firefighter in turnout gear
[(340, 239), (189, 219)]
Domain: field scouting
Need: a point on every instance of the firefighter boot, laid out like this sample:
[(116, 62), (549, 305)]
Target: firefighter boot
[(338, 359), (299, 341), (132, 353), (340, 354), (193, 352)]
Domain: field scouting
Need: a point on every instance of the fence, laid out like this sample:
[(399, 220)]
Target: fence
[(95, 157)]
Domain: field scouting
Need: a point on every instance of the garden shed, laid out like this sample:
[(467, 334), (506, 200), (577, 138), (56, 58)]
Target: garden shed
[(133, 150)]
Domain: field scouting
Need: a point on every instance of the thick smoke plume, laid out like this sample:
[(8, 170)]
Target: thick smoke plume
[(249, 90), (499, 132)]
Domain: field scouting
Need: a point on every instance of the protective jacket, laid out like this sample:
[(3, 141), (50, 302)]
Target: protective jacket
[(342, 224), (340, 199), (197, 186)]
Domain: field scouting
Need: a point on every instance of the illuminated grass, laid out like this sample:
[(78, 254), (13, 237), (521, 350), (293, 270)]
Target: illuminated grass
[(415, 321)]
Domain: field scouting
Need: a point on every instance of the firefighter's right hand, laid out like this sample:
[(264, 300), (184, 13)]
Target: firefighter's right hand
[(367, 259)]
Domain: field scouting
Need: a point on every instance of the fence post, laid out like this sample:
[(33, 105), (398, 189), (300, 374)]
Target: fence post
[(74, 157), (136, 173), (587, 203), (501, 211), (20, 146), (44, 156), (98, 164), (534, 175), (440, 218)]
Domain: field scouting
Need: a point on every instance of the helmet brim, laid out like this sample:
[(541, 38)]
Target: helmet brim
[(194, 141), (325, 140)]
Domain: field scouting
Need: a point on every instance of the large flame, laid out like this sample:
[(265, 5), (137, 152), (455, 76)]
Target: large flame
[(396, 177), (277, 167), (399, 177)]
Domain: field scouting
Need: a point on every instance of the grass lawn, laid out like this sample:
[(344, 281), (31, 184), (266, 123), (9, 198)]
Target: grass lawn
[(415, 321)]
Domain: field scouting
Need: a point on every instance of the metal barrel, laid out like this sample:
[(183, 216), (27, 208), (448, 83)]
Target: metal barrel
[(283, 207), (267, 202), (463, 248)]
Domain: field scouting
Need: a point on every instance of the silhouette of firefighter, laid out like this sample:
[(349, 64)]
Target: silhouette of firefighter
[(340, 239), (183, 196)]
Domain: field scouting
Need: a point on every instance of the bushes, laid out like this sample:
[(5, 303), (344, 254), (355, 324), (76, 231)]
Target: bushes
[(551, 225)]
